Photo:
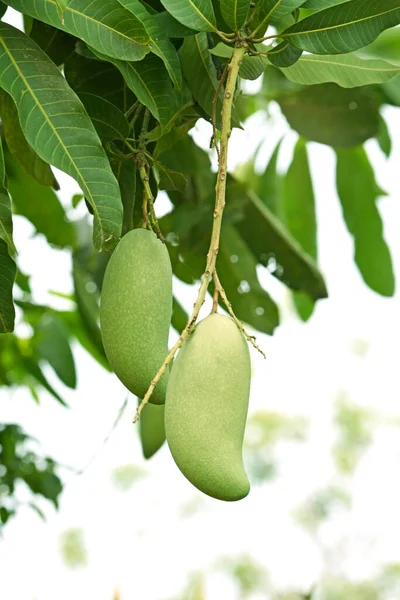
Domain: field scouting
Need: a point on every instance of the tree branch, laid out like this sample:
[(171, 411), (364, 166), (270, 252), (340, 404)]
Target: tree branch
[(220, 191)]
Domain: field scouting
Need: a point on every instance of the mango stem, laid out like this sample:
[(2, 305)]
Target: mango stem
[(250, 338), (220, 191)]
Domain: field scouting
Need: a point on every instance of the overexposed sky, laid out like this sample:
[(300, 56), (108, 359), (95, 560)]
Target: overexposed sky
[(138, 540)]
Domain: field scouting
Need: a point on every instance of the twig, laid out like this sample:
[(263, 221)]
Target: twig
[(214, 140), (250, 338), (220, 191), (215, 298)]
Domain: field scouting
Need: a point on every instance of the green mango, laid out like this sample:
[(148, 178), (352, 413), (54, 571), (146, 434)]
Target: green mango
[(152, 430), (206, 408), (136, 311)]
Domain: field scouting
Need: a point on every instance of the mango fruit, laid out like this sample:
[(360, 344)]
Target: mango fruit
[(206, 408), (136, 310), (151, 428)]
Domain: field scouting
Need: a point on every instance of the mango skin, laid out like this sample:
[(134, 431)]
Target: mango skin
[(136, 311), (152, 430), (206, 408)]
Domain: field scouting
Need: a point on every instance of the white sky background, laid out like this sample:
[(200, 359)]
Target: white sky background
[(137, 540)]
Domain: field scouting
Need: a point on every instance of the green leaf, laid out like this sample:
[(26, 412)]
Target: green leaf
[(31, 365), (199, 71), (284, 55), (298, 214), (40, 205), (320, 4), (171, 27), (196, 14), (3, 9), (272, 244), (62, 5), (105, 81), (237, 272), (345, 27), (252, 66), (234, 12), (347, 70), (150, 82), (180, 317), (125, 171), (109, 121), (275, 10), (383, 138), (152, 432), (358, 192), (56, 125), (57, 44), (332, 115), (19, 147), (106, 26), (87, 300), (159, 43), (7, 265), (52, 345), (7, 277), (170, 180)]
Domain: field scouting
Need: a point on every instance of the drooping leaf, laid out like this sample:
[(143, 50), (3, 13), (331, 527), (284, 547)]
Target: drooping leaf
[(56, 125), (18, 145), (100, 78), (171, 27), (347, 70), (345, 27), (284, 55), (52, 344), (87, 300), (40, 205), (196, 14), (159, 42), (272, 244), (383, 138), (235, 12), (170, 180), (31, 365), (7, 249), (109, 121), (180, 317), (333, 115), (320, 4), (236, 268), (358, 192), (106, 26), (126, 172), (151, 84), (57, 44), (199, 71), (7, 276), (298, 213), (273, 11)]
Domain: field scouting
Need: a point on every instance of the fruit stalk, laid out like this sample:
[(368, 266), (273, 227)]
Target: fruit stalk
[(220, 191)]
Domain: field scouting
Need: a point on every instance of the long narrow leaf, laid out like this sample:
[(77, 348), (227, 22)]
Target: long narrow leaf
[(7, 264), (358, 192), (196, 14), (347, 71), (103, 24), (159, 43), (298, 213), (345, 27), (235, 12), (56, 125)]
